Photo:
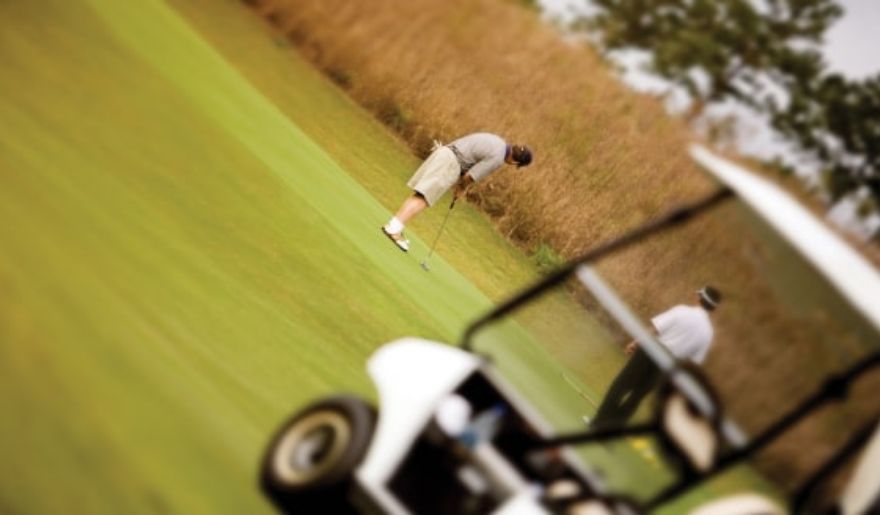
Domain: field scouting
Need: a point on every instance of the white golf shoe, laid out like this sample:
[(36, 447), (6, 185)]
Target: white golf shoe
[(398, 239)]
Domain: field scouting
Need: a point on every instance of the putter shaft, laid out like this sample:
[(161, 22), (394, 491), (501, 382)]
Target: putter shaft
[(424, 262)]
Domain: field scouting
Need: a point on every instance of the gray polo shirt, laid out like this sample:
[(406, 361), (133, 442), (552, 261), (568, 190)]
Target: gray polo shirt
[(479, 154)]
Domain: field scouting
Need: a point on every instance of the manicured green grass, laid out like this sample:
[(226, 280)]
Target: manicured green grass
[(182, 266), (190, 249)]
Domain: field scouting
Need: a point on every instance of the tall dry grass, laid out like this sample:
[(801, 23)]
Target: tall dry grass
[(605, 160), (442, 69)]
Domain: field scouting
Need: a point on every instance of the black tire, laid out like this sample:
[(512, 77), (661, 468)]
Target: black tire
[(313, 455)]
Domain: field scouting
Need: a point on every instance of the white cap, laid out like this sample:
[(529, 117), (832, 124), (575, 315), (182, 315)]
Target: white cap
[(706, 297)]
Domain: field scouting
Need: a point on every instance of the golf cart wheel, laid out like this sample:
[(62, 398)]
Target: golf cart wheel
[(315, 452)]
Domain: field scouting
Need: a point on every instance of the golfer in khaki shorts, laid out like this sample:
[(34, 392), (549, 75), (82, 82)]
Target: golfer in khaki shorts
[(460, 163)]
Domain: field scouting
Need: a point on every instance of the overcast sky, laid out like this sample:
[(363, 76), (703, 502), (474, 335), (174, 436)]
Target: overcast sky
[(852, 44)]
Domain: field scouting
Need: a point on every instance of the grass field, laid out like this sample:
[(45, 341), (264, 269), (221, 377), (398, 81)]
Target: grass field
[(190, 249)]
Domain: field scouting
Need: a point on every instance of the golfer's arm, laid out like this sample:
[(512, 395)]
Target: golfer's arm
[(463, 183), (634, 344)]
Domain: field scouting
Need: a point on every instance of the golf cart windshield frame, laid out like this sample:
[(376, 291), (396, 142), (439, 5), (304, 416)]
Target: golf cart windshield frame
[(618, 310), (836, 389), (675, 217)]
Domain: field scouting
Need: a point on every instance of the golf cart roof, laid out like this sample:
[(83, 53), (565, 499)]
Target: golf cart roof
[(847, 271)]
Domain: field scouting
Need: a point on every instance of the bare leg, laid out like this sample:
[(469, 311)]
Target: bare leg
[(412, 206)]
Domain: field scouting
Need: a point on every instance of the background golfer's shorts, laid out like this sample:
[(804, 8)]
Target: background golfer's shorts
[(436, 175)]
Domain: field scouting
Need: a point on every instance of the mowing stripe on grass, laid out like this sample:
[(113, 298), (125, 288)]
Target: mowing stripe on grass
[(157, 34)]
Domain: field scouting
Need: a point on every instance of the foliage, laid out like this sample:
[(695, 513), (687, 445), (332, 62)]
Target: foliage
[(839, 121), (392, 114), (546, 259), (530, 4), (764, 55), (735, 45)]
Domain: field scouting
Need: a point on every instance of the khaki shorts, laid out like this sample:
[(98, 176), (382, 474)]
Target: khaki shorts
[(436, 175)]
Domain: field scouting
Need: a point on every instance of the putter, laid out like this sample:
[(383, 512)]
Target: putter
[(424, 262), (578, 390)]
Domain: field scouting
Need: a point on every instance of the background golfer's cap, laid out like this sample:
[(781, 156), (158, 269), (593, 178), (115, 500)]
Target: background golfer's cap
[(710, 296), (522, 155)]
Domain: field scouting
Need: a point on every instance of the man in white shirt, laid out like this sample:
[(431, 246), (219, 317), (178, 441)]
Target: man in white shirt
[(685, 330), (460, 163)]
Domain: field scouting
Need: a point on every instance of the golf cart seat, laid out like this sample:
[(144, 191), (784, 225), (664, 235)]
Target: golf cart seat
[(740, 504), (861, 492)]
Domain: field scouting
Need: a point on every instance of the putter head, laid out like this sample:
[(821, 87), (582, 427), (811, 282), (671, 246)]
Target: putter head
[(424, 265)]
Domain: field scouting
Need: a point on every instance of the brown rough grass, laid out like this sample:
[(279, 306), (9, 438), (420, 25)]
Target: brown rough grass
[(605, 160)]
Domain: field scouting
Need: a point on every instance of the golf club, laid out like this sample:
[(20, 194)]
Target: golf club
[(424, 262), (578, 389)]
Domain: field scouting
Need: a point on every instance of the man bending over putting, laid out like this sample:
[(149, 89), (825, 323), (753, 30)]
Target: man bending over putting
[(460, 164)]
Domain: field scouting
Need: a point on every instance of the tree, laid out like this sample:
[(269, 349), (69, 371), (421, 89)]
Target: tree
[(734, 46), (839, 122), (763, 54)]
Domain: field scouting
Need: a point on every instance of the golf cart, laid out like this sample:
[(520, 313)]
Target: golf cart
[(454, 435)]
